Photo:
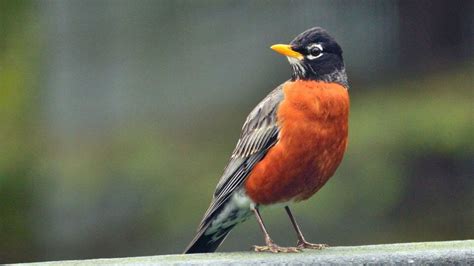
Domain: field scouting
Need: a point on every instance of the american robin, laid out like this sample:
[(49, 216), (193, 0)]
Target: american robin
[(290, 145)]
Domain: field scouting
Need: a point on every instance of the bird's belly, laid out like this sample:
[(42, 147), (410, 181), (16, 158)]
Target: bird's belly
[(312, 141)]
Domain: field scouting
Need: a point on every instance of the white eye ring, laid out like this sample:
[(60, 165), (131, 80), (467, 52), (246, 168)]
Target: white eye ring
[(310, 56)]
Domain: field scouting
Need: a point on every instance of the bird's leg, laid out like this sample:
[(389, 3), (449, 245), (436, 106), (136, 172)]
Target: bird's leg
[(270, 245), (302, 243)]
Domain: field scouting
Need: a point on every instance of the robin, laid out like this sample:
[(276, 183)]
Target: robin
[(291, 144)]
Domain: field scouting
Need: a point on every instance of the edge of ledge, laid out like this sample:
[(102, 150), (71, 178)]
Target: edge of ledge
[(461, 251)]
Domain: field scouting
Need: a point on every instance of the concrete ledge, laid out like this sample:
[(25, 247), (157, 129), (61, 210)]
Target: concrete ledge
[(449, 252)]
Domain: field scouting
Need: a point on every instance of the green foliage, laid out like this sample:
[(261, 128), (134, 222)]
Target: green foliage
[(17, 142)]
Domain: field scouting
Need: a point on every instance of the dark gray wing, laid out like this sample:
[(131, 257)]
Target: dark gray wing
[(259, 133)]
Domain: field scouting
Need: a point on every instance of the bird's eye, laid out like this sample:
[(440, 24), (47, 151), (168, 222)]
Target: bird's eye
[(315, 51)]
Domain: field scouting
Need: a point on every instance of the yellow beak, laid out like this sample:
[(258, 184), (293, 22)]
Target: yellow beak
[(285, 49)]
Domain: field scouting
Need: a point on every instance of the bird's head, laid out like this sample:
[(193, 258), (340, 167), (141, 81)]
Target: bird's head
[(314, 55)]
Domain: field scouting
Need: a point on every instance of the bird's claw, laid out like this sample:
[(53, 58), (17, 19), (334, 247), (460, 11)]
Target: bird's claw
[(276, 249), (307, 245)]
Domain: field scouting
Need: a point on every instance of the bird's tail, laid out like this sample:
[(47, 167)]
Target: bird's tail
[(205, 242), (215, 227)]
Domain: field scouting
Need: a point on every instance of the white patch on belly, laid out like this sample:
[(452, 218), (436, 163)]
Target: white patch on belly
[(235, 211), (241, 200)]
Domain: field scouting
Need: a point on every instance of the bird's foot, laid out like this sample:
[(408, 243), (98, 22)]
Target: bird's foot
[(275, 249), (306, 245)]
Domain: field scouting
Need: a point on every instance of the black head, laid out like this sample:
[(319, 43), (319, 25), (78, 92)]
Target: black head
[(315, 55)]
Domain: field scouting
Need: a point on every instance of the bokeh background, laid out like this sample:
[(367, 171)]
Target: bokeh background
[(117, 118)]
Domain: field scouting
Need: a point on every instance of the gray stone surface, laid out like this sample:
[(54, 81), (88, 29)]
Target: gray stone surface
[(437, 253)]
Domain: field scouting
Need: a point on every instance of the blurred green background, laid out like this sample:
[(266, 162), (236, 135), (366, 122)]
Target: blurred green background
[(117, 118)]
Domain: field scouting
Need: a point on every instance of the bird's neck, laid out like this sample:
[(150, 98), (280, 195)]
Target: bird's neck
[(306, 72)]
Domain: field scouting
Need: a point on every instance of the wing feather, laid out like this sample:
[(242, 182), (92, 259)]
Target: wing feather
[(259, 133)]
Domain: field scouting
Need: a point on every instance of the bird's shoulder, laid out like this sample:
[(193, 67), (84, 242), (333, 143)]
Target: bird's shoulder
[(261, 120)]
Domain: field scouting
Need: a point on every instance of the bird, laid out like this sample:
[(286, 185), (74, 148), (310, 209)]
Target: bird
[(291, 143)]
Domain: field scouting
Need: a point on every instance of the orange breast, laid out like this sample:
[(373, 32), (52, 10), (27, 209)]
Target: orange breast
[(313, 119)]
